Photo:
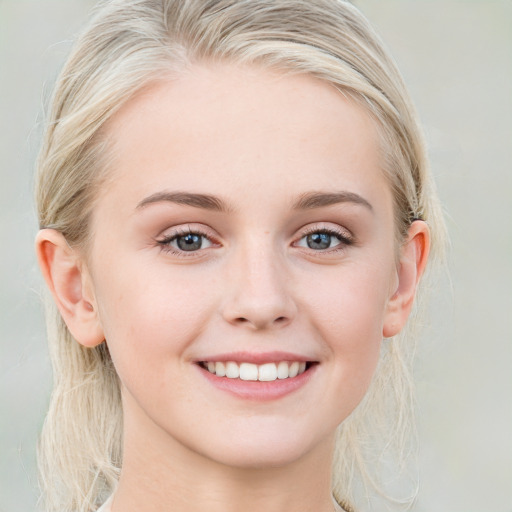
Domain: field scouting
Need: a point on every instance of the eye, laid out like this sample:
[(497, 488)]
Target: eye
[(185, 241), (321, 241), (324, 239), (191, 242)]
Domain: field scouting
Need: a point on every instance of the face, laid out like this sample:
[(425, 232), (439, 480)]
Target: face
[(248, 229)]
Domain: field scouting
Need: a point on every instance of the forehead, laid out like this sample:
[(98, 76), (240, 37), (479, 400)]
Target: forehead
[(227, 129)]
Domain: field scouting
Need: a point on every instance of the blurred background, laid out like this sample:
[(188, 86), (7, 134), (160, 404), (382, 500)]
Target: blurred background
[(456, 56)]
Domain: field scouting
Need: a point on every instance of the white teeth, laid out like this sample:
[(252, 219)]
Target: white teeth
[(267, 372), (294, 369), (220, 369), (282, 370), (248, 371), (232, 370)]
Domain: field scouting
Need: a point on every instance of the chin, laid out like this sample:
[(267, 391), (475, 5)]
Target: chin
[(252, 458), (261, 449)]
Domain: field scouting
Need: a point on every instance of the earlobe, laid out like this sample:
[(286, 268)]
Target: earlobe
[(413, 260), (69, 283)]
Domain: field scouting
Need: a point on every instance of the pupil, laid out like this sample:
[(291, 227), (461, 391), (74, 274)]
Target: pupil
[(189, 242), (319, 241)]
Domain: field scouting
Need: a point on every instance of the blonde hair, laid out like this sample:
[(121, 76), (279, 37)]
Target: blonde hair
[(129, 44)]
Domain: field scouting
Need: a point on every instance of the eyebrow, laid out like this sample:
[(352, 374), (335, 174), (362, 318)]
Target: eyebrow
[(204, 201), (307, 201), (313, 200)]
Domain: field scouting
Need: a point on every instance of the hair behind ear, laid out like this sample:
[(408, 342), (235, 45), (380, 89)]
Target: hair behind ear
[(85, 386)]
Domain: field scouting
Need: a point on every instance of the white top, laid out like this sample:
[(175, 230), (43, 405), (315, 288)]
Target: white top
[(106, 506)]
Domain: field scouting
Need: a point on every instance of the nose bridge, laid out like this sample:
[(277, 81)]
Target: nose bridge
[(259, 294)]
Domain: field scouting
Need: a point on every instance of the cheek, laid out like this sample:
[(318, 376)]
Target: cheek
[(351, 304), (348, 314), (150, 315)]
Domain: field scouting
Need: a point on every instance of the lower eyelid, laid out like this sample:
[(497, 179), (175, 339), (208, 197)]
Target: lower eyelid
[(340, 245)]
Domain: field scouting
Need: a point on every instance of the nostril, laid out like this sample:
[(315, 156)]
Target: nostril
[(262, 321)]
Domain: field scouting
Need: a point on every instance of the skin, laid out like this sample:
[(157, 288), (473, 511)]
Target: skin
[(258, 141)]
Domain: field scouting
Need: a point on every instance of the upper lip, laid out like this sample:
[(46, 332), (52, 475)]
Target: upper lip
[(255, 357)]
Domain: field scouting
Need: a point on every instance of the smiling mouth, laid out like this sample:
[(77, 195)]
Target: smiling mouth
[(267, 372)]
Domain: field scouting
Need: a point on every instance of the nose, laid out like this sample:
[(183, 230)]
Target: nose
[(258, 293)]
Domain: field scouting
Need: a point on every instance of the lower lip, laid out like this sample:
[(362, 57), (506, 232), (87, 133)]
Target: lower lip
[(257, 390)]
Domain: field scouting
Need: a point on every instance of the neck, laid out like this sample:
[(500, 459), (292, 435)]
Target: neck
[(160, 473)]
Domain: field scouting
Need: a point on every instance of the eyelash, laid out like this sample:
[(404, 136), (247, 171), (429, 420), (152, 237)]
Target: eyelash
[(166, 246), (342, 235), (344, 238)]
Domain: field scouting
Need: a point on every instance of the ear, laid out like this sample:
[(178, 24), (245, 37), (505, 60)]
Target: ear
[(70, 284), (412, 263)]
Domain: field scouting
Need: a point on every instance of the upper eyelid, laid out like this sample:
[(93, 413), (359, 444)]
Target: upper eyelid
[(326, 227), (315, 229), (185, 229)]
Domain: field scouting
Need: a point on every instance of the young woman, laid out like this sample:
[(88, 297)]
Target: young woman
[(235, 212)]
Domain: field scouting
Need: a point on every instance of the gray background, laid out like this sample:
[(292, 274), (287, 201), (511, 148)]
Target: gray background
[(456, 57)]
